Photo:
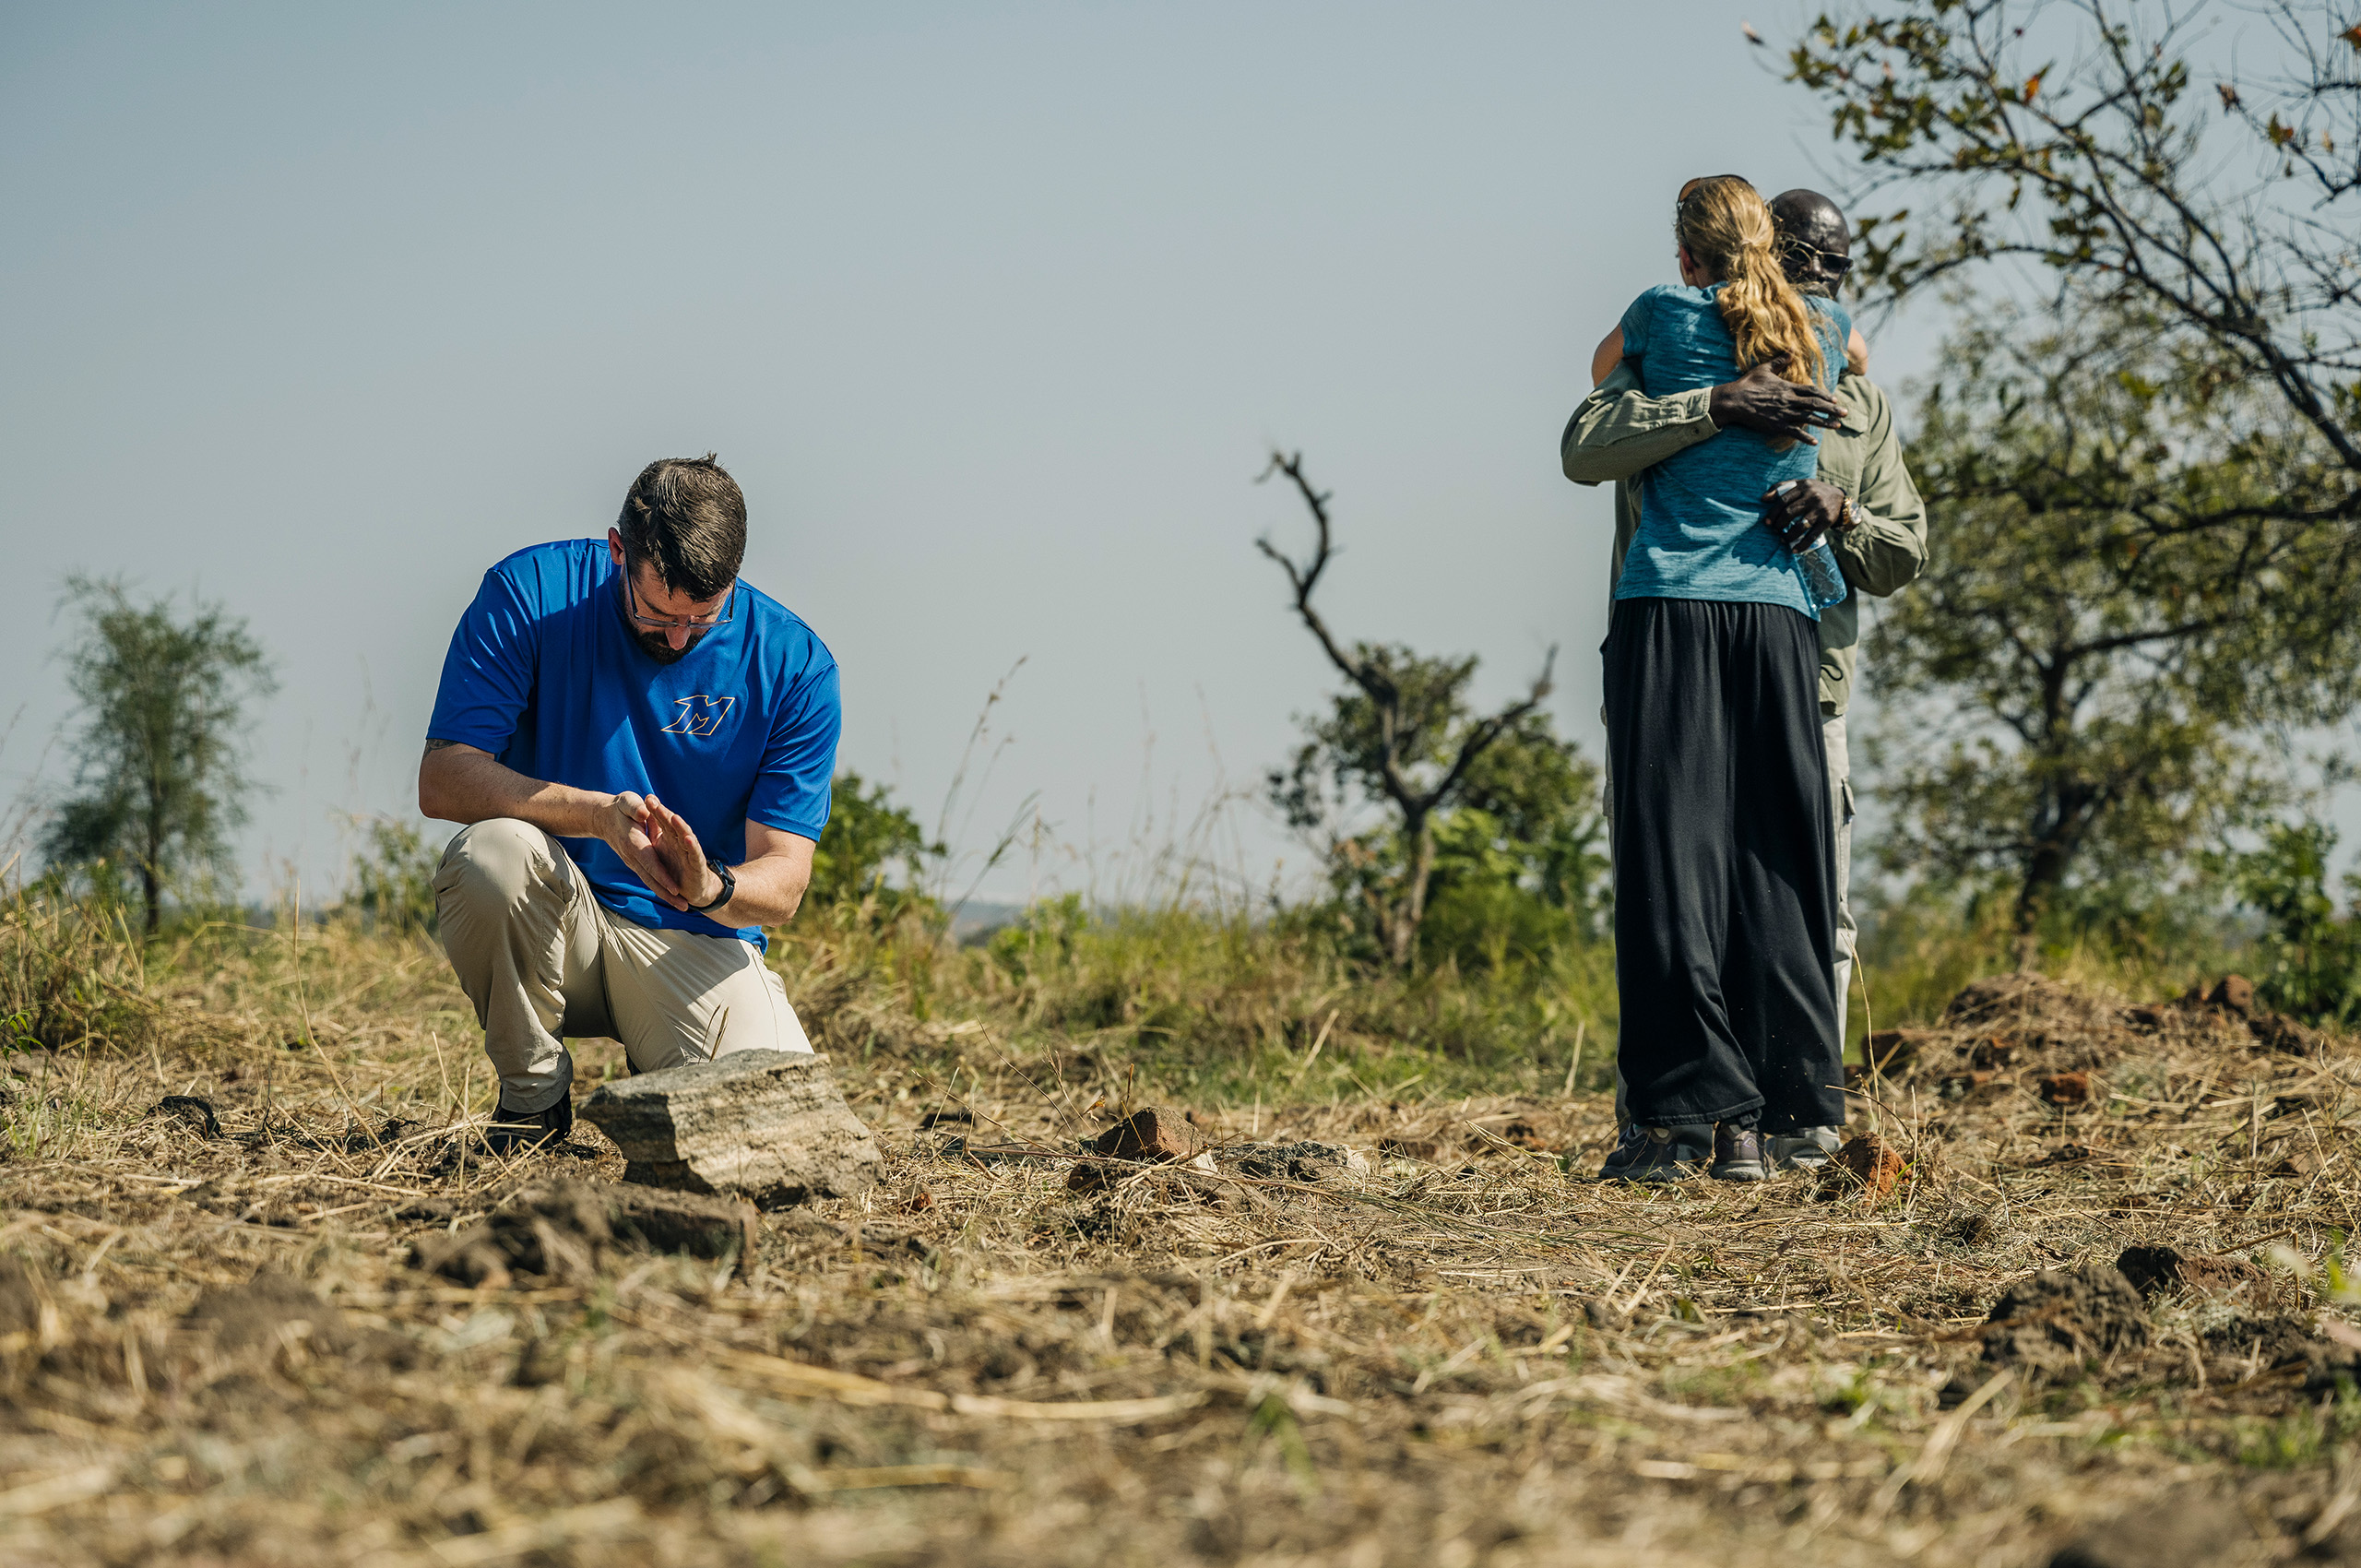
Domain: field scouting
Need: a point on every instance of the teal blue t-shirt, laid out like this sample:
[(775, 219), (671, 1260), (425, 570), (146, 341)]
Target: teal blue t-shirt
[(1700, 533)]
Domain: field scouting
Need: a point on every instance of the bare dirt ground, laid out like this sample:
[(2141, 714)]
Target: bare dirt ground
[(215, 1347)]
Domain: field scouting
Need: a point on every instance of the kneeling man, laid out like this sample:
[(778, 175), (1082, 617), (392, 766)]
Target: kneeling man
[(640, 745)]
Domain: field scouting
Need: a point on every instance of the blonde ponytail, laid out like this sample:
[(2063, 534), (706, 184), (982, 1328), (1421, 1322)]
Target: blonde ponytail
[(1725, 226)]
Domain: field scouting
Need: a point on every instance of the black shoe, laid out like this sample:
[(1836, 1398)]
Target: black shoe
[(519, 1132), (1740, 1155), (1806, 1148), (1653, 1154)]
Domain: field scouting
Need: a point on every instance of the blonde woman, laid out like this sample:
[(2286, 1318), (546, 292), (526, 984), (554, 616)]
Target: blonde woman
[(1725, 882)]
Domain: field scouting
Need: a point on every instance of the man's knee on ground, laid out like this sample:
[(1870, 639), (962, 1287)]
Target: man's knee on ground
[(493, 863)]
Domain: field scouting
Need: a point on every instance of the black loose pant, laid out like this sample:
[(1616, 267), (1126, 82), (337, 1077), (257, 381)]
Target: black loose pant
[(1724, 866)]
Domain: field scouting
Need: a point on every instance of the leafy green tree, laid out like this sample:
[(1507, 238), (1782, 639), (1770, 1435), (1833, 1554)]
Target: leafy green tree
[(161, 738), (2082, 136), (2121, 601), (867, 836), (1404, 738), (1521, 864), (393, 878), (2308, 960)]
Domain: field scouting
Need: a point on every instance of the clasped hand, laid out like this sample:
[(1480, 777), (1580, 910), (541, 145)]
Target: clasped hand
[(662, 850), (1803, 511)]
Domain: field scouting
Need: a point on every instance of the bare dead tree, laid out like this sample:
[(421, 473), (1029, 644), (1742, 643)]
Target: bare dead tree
[(1410, 741)]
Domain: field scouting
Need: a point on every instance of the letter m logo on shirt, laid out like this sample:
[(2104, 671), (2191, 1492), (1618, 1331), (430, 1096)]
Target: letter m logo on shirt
[(700, 716)]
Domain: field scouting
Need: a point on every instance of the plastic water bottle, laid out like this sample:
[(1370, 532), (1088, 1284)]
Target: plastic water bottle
[(1825, 582)]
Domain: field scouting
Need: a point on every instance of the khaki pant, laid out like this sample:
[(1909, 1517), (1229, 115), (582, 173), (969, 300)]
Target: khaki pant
[(542, 960), (1840, 790)]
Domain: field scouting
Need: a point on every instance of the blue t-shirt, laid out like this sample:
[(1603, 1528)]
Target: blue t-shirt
[(545, 675), (1700, 533)]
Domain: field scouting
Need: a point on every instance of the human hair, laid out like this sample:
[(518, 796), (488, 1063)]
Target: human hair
[(686, 518), (1725, 226)]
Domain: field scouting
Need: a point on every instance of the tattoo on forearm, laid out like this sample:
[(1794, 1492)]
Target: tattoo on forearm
[(436, 745)]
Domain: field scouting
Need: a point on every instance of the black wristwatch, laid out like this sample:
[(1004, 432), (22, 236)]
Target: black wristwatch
[(728, 885)]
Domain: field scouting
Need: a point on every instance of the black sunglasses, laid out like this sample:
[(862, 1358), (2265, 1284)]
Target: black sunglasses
[(1837, 265)]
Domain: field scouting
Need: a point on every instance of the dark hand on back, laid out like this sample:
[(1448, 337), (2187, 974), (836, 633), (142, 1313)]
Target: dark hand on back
[(1808, 509), (1766, 402)]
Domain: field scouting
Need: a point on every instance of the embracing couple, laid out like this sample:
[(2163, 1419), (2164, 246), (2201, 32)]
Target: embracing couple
[(1761, 490)]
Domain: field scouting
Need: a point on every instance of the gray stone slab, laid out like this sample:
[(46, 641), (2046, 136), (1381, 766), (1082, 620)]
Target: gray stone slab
[(767, 1125)]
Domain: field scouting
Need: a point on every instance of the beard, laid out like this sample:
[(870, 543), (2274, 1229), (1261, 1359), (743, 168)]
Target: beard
[(652, 644)]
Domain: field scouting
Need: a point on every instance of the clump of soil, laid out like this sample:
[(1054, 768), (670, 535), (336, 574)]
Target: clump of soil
[(1304, 1161), (2055, 1323), (2024, 1031), (273, 1311), (567, 1230), (20, 1299), (2178, 1532), (2156, 1271), (2274, 1344)]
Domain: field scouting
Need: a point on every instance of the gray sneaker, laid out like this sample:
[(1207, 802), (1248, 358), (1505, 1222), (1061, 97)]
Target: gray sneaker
[(1740, 1155), (1806, 1148), (1657, 1154)]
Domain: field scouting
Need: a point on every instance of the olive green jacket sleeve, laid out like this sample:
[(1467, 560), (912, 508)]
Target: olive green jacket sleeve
[(1619, 431), (1889, 550)]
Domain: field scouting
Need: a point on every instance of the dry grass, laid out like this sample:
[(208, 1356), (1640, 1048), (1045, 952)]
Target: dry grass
[(1473, 1357)]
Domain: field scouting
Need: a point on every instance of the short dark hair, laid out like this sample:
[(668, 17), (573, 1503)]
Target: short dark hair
[(686, 518)]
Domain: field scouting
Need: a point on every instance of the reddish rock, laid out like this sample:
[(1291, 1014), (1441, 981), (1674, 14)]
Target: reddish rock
[(2235, 995), (2158, 1271), (1151, 1135), (1867, 1161), (2065, 1089)]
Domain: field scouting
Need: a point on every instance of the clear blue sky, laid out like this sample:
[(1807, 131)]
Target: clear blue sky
[(992, 309)]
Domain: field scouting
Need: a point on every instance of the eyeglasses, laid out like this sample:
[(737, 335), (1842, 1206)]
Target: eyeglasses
[(692, 625), (1836, 266)]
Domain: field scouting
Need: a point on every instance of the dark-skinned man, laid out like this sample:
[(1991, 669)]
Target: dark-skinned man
[(641, 746), (1864, 501)]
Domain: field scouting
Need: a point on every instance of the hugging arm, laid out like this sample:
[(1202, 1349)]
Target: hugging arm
[(1607, 356), (1618, 430)]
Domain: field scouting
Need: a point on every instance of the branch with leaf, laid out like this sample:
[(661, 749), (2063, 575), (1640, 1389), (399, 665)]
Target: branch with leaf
[(2074, 134), (1404, 735)]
